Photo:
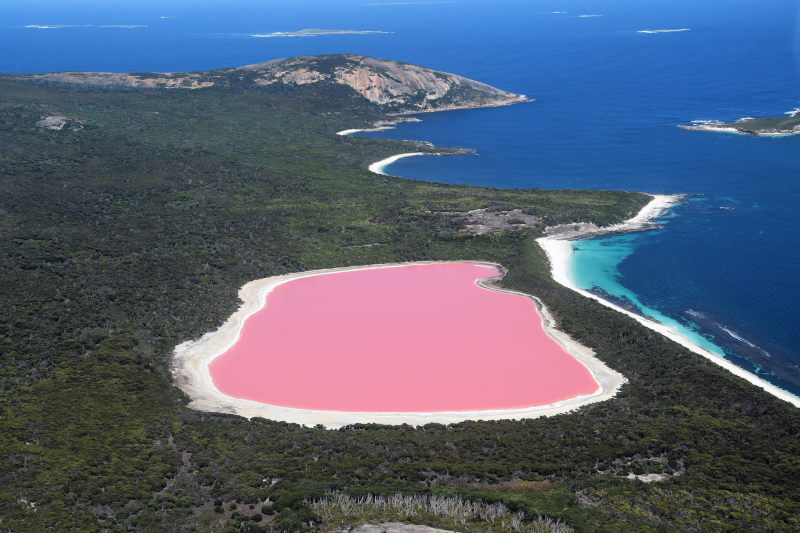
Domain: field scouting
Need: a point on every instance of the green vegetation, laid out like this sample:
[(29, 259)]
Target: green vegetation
[(754, 125), (445, 511), (125, 238)]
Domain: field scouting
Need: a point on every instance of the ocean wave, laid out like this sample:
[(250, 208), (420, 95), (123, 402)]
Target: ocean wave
[(588, 16), (662, 31), (743, 340), (408, 3), (794, 112), (314, 33), (713, 325), (57, 26)]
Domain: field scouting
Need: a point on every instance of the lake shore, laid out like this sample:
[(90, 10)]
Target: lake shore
[(191, 360), (558, 247)]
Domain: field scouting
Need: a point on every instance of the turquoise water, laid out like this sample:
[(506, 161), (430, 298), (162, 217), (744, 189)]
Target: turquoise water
[(594, 264)]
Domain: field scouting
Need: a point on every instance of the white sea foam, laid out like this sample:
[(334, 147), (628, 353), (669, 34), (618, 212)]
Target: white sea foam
[(663, 31), (741, 339), (314, 33), (56, 26), (794, 112), (408, 3), (589, 16)]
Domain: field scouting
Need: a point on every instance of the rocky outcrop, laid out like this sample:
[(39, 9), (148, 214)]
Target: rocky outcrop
[(753, 126), (58, 123), (400, 88), (144, 81)]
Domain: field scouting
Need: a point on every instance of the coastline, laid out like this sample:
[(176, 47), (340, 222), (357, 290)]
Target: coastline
[(381, 125), (378, 166), (191, 359), (739, 131), (558, 248)]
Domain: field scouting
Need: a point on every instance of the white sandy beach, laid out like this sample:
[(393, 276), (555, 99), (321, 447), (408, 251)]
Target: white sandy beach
[(376, 128), (559, 250), (378, 167), (191, 360)]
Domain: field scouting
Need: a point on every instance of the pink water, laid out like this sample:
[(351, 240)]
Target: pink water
[(398, 339)]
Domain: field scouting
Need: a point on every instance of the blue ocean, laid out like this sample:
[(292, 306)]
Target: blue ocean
[(608, 100)]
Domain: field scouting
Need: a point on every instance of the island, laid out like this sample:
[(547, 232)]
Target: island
[(764, 126), (135, 208)]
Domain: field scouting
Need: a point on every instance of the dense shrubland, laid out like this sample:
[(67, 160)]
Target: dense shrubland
[(123, 239), (447, 512)]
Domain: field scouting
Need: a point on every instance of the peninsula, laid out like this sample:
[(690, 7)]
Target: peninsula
[(399, 88)]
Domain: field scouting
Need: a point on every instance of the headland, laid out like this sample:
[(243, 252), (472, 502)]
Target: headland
[(398, 88), (758, 127)]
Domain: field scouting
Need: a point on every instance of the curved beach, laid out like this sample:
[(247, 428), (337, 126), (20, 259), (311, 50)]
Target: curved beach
[(379, 166), (559, 250), (191, 362)]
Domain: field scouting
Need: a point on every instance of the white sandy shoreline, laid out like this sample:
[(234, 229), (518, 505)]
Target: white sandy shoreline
[(559, 250), (190, 362), (379, 166)]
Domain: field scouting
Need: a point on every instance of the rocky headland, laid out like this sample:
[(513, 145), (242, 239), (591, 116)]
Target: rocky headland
[(398, 88), (765, 126)]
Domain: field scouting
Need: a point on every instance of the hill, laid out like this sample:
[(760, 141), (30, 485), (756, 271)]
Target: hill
[(398, 87)]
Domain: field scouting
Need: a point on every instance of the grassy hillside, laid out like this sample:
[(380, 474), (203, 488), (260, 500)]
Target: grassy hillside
[(131, 229)]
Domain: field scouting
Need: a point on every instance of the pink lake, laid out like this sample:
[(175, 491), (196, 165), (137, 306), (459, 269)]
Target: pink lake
[(420, 338)]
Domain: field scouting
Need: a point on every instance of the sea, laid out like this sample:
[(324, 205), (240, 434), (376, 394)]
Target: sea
[(609, 95)]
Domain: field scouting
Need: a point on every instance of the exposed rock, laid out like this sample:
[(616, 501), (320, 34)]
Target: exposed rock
[(408, 88), (587, 229), (752, 126), (397, 527), (52, 123), (481, 221), (401, 88), (148, 81), (58, 122)]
